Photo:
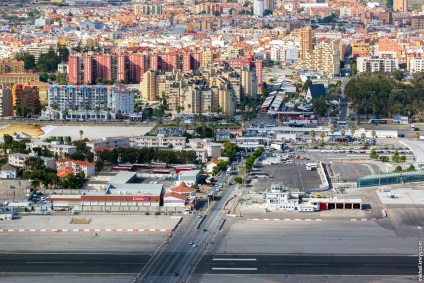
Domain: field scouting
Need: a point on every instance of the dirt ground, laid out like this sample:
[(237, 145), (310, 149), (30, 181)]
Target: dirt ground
[(33, 130)]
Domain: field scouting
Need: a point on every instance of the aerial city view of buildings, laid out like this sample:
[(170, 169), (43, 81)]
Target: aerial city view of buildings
[(209, 141)]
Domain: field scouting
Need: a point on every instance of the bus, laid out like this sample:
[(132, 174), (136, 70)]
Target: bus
[(377, 121), (311, 166)]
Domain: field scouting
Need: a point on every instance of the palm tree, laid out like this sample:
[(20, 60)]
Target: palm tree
[(343, 132), (64, 113), (96, 110), (76, 110), (312, 134), (81, 132), (362, 135), (108, 112), (373, 134), (352, 132), (417, 135), (332, 130), (189, 107), (86, 108), (322, 135)]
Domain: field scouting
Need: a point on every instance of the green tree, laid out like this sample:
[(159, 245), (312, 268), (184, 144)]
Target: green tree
[(373, 154), (398, 169), (320, 106), (417, 135), (238, 180), (43, 77), (395, 156), (230, 149), (312, 134), (29, 61), (398, 75)]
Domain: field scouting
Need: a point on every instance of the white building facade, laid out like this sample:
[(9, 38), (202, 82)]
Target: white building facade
[(117, 98), (371, 64)]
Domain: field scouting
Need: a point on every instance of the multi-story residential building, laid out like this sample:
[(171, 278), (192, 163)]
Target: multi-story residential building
[(37, 50), (146, 9), (305, 42), (129, 67), (114, 142), (400, 5), (201, 92), (258, 8), (11, 66), (12, 79), (325, 58), (269, 5), (375, 64), (212, 149), (158, 141), (416, 65), (6, 108), (360, 49), (385, 44), (417, 22), (117, 98), (18, 160), (25, 95)]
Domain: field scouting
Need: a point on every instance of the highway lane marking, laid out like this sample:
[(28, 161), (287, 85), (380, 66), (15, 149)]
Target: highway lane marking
[(235, 268), (237, 259)]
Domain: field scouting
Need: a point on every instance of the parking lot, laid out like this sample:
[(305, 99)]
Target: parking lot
[(293, 176)]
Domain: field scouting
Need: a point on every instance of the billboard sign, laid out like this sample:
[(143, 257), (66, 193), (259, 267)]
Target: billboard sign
[(141, 198)]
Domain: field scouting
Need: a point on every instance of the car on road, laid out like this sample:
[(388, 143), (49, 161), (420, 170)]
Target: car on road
[(191, 243), (200, 216), (194, 246), (176, 273), (205, 230)]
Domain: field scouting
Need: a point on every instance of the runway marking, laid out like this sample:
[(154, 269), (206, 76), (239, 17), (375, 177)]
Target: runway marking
[(69, 230), (236, 259), (285, 219), (54, 262), (295, 264), (235, 268)]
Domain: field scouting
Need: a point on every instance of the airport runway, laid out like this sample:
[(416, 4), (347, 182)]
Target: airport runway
[(72, 263), (308, 264), (211, 264)]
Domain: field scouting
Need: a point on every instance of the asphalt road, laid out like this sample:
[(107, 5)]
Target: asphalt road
[(308, 264), (176, 254), (72, 263)]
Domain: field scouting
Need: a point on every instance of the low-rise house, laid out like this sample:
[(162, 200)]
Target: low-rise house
[(211, 164), (69, 166), (190, 178), (8, 172)]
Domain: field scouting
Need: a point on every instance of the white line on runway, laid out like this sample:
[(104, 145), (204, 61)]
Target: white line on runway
[(54, 262), (228, 268), (295, 264), (239, 259), (129, 263)]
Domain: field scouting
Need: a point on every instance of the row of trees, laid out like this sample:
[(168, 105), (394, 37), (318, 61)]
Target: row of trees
[(251, 160), (144, 155), (381, 95)]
